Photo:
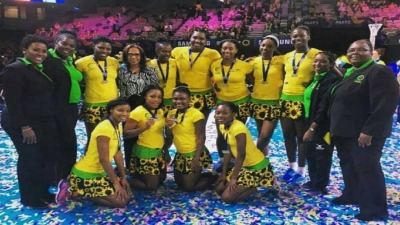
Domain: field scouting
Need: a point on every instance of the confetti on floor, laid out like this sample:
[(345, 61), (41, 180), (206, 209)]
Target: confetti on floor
[(171, 206)]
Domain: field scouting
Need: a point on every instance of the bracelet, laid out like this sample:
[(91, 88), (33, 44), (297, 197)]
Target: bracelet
[(312, 129), (29, 128)]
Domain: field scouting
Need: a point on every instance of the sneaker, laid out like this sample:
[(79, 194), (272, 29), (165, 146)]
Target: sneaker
[(288, 176), (217, 168), (62, 192), (298, 179)]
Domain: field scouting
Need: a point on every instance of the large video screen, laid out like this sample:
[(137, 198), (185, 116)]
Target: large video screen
[(43, 1)]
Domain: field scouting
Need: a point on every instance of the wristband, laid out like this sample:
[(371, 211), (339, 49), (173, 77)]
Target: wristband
[(312, 129)]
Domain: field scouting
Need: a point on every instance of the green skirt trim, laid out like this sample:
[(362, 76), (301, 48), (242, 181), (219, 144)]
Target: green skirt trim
[(201, 92), (259, 166), (167, 101), (87, 175), (297, 98), (146, 152), (265, 102), (101, 104)]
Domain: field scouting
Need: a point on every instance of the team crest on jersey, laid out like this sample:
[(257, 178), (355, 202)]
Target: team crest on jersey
[(92, 66), (359, 79)]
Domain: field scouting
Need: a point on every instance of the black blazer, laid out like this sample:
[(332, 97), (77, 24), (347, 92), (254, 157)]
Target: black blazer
[(364, 103), (320, 101), (28, 94), (55, 69)]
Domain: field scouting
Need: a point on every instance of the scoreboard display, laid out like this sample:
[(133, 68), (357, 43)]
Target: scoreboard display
[(43, 1)]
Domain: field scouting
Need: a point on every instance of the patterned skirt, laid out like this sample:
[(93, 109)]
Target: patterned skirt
[(93, 114), (202, 101), (91, 187), (292, 109), (147, 166), (254, 178), (182, 162), (265, 112)]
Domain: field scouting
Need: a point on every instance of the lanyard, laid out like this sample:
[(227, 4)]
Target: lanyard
[(103, 71), (164, 77), (117, 132), (190, 57), (153, 115), (296, 67), (182, 118), (265, 71), (226, 77)]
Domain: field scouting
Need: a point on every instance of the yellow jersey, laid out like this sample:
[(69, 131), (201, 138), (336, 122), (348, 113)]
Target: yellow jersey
[(166, 75), (271, 89), (194, 68), (235, 88), (96, 90)]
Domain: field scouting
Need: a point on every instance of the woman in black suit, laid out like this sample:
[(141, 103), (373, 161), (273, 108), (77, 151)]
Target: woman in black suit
[(29, 120), (317, 138), (59, 65), (363, 103)]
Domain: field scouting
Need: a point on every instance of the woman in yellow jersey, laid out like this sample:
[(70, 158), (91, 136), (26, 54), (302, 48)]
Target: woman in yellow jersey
[(149, 156), (298, 74), (93, 176), (187, 131), (231, 77), (377, 54), (194, 64), (133, 76), (167, 71), (252, 169), (99, 74), (268, 81)]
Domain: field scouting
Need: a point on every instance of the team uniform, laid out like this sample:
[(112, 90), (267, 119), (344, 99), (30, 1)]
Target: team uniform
[(88, 178), (194, 70), (295, 82), (267, 89), (168, 77), (147, 157), (99, 90), (233, 88), (256, 170), (185, 140)]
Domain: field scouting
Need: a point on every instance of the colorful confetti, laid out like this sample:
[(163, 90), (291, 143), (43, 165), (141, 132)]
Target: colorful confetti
[(171, 206)]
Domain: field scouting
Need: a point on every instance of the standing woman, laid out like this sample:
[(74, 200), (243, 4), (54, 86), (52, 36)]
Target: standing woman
[(231, 77), (194, 64), (93, 176), (99, 73), (298, 74), (317, 138), (149, 155), (186, 128), (29, 119), (361, 119), (133, 76), (59, 65), (252, 169), (167, 71), (268, 82)]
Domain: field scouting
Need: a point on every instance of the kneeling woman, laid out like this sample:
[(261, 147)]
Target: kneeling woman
[(187, 131), (148, 161), (252, 169), (93, 176)]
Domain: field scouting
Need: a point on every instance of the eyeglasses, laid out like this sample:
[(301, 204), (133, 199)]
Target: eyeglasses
[(130, 55), (353, 50)]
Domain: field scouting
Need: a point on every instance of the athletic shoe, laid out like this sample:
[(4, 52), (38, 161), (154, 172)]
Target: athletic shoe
[(298, 179), (288, 176), (62, 192), (307, 186)]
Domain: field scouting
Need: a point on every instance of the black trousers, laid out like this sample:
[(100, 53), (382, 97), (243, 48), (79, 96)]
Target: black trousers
[(319, 161), (362, 174), (36, 162), (67, 143)]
